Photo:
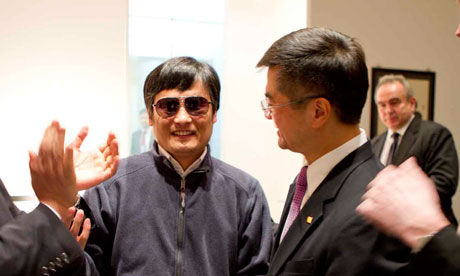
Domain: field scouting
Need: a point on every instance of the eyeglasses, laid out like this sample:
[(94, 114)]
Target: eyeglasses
[(267, 108), (194, 105)]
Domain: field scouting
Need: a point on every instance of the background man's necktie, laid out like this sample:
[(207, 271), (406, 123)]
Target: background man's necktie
[(300, 189), (393, 147)]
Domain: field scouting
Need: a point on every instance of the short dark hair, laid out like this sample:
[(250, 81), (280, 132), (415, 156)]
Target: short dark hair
[(326, 62), (180, 73)]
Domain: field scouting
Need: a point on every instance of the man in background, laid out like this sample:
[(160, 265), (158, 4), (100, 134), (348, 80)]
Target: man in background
[(175, 210), (142, 139), (403, 202), (408, 135), (316, 88)]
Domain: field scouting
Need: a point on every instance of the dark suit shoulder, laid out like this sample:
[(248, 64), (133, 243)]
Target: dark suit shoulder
[(377, 143), (430, 127), (353, 188)]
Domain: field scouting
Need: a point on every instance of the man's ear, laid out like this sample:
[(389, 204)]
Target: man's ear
[(150, 119), (214, 117), (413, 102), (321, 112)]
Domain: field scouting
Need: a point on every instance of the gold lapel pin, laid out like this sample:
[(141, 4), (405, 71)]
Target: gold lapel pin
[(309, 220)]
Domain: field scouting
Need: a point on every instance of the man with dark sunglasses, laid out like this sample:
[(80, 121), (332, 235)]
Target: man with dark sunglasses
[(175, 210)]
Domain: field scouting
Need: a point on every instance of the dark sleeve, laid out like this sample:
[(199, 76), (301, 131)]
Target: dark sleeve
[(359, 249), (255, 235), (97, 206), (39, 242), (439, 257), (441, 163)]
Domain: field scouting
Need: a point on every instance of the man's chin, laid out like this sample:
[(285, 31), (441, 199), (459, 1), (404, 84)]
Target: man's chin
[(282, 143)]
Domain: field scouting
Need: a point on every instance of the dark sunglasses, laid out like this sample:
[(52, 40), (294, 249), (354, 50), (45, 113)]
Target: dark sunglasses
[(194, 105)]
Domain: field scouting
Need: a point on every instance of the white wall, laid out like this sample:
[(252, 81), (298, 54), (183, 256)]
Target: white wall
[(67, 60), (61, 60), (249, 141), (410, 34)]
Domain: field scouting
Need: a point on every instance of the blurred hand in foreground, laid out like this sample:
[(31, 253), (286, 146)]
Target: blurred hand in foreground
[(403, 202)]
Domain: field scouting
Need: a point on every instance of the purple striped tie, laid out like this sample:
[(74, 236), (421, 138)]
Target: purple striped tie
[(300, 189)]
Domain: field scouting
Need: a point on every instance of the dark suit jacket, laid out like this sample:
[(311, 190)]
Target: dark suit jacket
[(337, 241), (439, 257), (35, 243), (434, 148)]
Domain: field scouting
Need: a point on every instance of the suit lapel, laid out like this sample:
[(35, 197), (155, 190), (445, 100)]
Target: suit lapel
[(284, 215), (377, 146), (326, 192), (407, 141), (298, 230)]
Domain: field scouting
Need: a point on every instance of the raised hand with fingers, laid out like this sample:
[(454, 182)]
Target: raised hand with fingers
[(97, 165), (52, 171)]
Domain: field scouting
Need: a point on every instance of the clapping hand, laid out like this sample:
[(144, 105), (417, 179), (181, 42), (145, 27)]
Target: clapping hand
[(58, 173), (94, 166)]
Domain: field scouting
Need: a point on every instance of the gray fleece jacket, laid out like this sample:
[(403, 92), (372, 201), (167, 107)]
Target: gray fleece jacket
[(141, 228)]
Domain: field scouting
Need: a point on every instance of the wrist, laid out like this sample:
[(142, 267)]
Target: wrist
[(421, 241), (77, 202), (57, 208), (417, 238)]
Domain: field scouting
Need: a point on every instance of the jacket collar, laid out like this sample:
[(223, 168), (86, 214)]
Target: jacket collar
[(166, 168)]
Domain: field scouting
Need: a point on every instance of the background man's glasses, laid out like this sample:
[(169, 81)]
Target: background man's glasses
[(194, 105), (267, 108)]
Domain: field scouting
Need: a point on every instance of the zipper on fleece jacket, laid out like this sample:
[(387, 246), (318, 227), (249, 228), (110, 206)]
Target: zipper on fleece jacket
[(180, 230)]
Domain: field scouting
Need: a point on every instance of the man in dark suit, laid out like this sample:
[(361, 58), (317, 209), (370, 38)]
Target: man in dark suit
[(142, 139), (316, 88), (431, 143), (39, 242), (403, 202)]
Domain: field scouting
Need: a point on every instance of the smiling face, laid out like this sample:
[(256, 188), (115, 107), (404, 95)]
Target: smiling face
[(182, 135), (394, 108)]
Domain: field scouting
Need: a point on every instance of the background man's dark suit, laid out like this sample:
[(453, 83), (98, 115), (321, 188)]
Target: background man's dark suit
[(35, 243), (434, 148), (318, 248)]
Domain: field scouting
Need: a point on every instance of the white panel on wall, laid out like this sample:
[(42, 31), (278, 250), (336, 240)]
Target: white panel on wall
[(62, 60), (249, 141)]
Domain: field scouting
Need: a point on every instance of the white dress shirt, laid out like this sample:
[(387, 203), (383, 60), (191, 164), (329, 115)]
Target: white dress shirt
[(320, 168), (389, 140)]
